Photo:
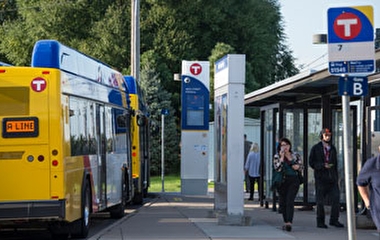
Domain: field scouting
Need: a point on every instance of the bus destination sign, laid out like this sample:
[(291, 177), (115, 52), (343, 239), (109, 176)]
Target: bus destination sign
[(20, 127)]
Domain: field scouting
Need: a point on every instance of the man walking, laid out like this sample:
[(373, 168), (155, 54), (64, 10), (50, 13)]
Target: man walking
[(323, 159)]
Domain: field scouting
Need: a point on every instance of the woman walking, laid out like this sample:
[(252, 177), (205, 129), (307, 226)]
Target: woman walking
[(290, 164), (252, 168)]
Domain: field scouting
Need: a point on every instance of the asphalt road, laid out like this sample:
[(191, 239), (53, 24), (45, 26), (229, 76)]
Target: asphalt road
[(99, 222)]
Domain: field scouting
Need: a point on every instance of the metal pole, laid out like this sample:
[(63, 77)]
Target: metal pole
[(162, 153), (135, 39), (351, 228)]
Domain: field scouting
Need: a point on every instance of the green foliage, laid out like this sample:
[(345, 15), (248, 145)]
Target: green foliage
[(79, 24), (8, 10), (104, 44), (157, 99), (220, 50)]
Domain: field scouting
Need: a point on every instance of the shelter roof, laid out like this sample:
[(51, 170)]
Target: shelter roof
[(307, 88)]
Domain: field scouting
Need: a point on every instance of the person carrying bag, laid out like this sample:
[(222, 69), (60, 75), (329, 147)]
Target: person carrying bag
[(288, 165)]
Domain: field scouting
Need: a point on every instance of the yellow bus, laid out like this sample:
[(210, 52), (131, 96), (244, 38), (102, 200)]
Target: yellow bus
[(65, 145), (140, 140)]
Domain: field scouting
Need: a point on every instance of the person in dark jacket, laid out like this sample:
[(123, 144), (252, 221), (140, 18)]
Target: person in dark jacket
[(368, 182), (323, 159)]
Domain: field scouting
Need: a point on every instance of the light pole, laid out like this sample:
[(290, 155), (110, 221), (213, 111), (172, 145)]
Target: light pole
[(164, 112), (135, 39)]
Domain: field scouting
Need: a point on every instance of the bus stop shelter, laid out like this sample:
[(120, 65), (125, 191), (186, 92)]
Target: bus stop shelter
[(298, 108)]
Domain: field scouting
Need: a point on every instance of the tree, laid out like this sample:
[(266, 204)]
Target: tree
[(110, 37), (220, 50), (8, 12), (190, 30), (157, 99), (69, 22)]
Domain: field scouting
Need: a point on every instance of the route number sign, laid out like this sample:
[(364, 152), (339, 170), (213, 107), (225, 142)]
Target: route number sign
[(351, 40)]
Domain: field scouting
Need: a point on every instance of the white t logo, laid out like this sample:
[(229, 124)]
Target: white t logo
[(347, 25), (196, 69), (38, 84)]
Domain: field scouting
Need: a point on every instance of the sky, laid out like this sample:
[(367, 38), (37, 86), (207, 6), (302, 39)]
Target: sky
[(304, 18)]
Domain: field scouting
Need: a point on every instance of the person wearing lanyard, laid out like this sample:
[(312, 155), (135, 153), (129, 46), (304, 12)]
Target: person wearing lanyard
[(323, 160)]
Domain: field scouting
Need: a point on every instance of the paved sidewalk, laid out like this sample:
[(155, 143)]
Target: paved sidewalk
[(174, 216)]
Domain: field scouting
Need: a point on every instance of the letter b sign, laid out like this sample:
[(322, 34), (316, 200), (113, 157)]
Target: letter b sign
[(353, 86)]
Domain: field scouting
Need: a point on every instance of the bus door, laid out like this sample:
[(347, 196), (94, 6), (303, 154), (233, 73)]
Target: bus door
[(102, 167)]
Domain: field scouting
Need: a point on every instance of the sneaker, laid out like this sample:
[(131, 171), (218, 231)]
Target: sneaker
[(288, 228), (322, 225), (336, 224)]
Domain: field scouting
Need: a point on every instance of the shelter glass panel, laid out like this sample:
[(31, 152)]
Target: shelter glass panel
[(268, 148), (221, 138), (294, 130), (337, 140), (374, 127), (314, 118)]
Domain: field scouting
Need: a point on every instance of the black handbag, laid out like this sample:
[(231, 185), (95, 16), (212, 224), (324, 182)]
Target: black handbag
[(300, 177), (277, 179)]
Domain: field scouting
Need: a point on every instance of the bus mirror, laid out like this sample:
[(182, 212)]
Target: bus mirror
[(140, 120)]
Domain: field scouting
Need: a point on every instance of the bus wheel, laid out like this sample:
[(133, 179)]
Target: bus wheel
[(138, 198), (145, 192), (59, 231), (82, 226), (61, 236)]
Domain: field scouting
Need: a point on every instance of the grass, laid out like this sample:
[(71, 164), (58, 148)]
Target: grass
[(172, 183)]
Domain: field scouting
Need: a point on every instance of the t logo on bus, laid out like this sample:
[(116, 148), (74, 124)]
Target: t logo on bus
[(38, 84)]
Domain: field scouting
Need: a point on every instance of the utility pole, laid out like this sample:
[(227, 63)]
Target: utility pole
[(135, 39)]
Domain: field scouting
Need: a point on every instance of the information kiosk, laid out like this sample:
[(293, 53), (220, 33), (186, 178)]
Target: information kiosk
[(195, 127)]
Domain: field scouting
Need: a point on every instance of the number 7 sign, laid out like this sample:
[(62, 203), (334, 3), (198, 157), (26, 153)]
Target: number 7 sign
[(351, 40)]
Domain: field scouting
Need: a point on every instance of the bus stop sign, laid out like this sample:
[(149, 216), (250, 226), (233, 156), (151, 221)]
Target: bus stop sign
[(351, 40), (353, 86)]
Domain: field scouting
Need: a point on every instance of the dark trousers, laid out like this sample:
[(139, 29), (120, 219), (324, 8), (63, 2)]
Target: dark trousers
[(288, 192), (247, 182), (332, 191), (252, 181)]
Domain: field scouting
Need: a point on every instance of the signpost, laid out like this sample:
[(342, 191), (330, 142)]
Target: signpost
[(164, 112), (351, 52)]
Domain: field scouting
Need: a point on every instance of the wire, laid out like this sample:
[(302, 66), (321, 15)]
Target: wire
[(314, 61)]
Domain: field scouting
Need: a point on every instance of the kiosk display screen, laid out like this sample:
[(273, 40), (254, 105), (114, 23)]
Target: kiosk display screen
[(195, 110)]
